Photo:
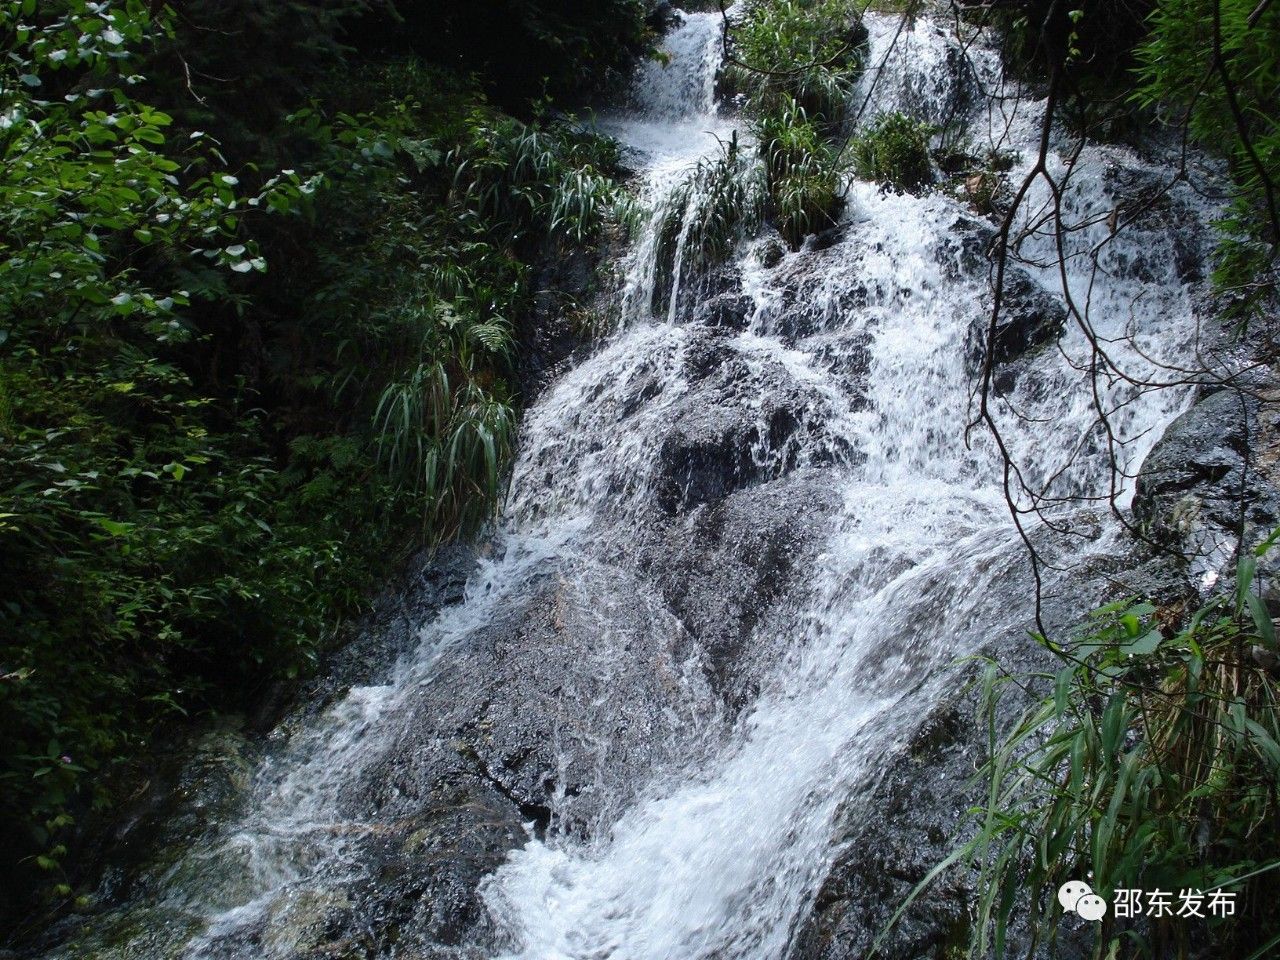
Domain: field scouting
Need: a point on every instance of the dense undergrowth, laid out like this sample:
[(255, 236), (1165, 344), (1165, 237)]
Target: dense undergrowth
[(1150, 765), (259, 300), (794, 66)]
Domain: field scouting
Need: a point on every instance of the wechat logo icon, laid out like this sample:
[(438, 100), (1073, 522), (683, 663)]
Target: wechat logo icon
[(1078, 897)]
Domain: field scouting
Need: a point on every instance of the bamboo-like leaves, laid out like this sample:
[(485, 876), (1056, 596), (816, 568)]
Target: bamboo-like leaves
[(1152, 762)]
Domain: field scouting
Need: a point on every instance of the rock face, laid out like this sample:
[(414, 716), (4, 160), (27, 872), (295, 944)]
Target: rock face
[(924, 789), (556, 331), (1212, 477), (727, 566), (1030, 316)]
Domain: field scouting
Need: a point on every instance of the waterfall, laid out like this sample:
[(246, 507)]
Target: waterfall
[(686, 809), (722, 861)]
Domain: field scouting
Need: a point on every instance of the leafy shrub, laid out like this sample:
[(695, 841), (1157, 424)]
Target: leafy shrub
[(806, 51), (1152, 765), (894, 151), (1228, 103), (133, 507)]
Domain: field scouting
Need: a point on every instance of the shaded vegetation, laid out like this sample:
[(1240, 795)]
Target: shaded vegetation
[(894, 151), (794, 65), (260, 268), (1152, 765), (1213, 66)]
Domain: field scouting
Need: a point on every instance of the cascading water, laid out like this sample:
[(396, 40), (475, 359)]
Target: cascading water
[(723, 863), (689, 811)]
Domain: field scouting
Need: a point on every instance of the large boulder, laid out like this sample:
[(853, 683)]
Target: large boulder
[(1211, 477), (726, 568), (744, 419)]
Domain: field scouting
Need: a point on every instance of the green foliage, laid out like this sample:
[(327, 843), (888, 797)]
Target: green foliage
[(796, 63), (1091, 41), (122, 527), (1221, 76), (205, 466), (804, 172), (721, 201), (894, 151), (548, 177), (807, 51), (1153, 764)]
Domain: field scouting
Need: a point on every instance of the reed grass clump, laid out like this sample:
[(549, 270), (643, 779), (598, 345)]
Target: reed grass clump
[(795, 66), (894, 151), (1152, 763), (721, 201)]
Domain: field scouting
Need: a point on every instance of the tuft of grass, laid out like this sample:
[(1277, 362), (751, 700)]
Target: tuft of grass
[(552, 178), (894, 151), (721, 201), (1154, 764), (804, 172)]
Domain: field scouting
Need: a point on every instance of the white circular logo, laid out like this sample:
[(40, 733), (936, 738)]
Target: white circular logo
[(1091, 907), (1071, 892)]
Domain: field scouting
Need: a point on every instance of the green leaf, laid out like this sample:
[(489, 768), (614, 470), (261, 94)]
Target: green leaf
[(113, 527), (1143, 645)]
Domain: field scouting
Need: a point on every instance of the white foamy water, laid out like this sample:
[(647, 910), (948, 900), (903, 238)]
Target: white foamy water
[(718, 847), (725, 863)]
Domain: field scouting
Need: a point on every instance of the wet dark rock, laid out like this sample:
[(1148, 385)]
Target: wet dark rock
[(807, 307), (1190, 487), (743, 421), (771, 252), (911, 813), (723, 568), (700, 288), (662, 17), (848, 360), (919, 800), (555, 331), (1152, 204), (709, 453), (1030, 318), (193, 784), (424, 870), (576, 678), (825, 239), (965, 250), (431, 581), (730, 311)]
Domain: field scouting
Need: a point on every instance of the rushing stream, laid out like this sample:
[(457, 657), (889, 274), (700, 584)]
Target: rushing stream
[(689, 792)]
